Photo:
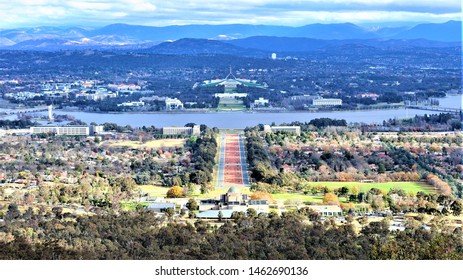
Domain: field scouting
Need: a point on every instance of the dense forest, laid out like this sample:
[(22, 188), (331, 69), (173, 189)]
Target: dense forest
[(139, 235)]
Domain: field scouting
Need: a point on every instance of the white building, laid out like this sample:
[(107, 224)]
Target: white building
[(100, 94), (173, 104), (261, 102), (327, 102), (174, 130), (327, 210), (230, 95), (68, 130), (132, 104)]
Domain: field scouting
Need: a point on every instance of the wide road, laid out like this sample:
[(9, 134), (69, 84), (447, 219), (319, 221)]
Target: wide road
[(232, 161)]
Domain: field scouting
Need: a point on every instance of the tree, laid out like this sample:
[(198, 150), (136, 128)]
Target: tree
[(192, 205), (261, 196), (175, 192), (58, 211), (310, 213), (13, 212), (331, 199), (456, 208), (170, 212), (220, 216), (344, 191), (251, 212)]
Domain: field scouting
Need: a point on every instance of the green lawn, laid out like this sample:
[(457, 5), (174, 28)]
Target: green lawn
[(316, 199), (154, 190), (364, 187), (132, 205), (231, 104), (231, 107), (298, 197)]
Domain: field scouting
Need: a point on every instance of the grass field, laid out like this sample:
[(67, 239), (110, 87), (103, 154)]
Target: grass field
[(152, 190), (133, 205), (300, 197), (231, 104), (364, 187), (167, 143)]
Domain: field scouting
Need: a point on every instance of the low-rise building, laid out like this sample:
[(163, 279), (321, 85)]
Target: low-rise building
[(173, 104), (372, 96), (327, 102), (327, 210), (261, 102), (132, 104), (273, 129), (174, 130), (76, 130), (160, 207), (234, 200)]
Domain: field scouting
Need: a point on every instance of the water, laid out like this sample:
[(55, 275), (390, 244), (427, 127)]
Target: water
[(245, 119), (451, 101), (239, 119)]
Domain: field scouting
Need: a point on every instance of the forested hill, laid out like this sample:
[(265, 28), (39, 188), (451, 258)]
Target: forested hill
[(139, 235)]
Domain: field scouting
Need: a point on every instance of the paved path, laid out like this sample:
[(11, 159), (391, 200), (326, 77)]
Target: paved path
[(232, 161)]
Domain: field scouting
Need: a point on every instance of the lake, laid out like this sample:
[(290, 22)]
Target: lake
[(244, 119), (238, 119)]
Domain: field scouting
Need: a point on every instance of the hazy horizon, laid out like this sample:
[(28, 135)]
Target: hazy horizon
[(367, 26), (98, 13)]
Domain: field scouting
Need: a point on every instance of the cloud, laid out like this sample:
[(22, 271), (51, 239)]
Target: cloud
[(166, 12), (84, 5)]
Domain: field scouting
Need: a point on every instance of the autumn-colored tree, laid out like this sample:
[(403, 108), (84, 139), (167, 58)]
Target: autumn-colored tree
[(355, 190), (344, 176), (261, 196), (347, 206), (331, 199), (175, 192)]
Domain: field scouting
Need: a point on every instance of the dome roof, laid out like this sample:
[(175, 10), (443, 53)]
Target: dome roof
[(233, 190)]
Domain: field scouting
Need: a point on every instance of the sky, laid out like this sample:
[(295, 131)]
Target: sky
[(95, 13)]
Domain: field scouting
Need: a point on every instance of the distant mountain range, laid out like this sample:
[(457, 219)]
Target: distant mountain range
[(274, 38), (263, 46)]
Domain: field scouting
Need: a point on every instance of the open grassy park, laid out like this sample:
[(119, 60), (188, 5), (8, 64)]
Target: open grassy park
[(166, 143), (365, 187), (414, 187)]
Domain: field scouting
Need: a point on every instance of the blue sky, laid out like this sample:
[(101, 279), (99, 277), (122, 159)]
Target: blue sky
[(29, 13)]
